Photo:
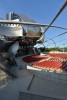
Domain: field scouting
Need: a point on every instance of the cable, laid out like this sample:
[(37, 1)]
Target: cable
[(58, 41), (62, 8), (59, 35), (64, 5), (59, 44)]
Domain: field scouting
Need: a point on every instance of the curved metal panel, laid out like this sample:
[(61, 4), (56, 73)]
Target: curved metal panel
[(11, 30)]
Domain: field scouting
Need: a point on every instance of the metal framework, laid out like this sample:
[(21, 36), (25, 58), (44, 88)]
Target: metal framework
[(29, 23), (61, 9), (59, 35), (38, 24), (58, 41)]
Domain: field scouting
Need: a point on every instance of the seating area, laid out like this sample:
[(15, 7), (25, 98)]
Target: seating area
[(52, 65), (55, 62), (29, 59), (59, 55)]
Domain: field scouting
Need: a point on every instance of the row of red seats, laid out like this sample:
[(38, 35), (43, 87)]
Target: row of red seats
[(55, 65), (56, 56), (64, 56), (34, 58), (55, 62)]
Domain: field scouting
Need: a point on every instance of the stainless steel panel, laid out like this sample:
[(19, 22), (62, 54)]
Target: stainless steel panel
[(11, 30)]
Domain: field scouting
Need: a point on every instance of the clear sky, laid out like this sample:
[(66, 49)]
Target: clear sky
[(42, 11)]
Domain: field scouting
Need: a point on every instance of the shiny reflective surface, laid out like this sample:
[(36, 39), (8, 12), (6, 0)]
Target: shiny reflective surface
[(11, 30), (31, 31)]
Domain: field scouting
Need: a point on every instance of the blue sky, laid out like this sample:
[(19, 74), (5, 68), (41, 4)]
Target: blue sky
[(42, 11)]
